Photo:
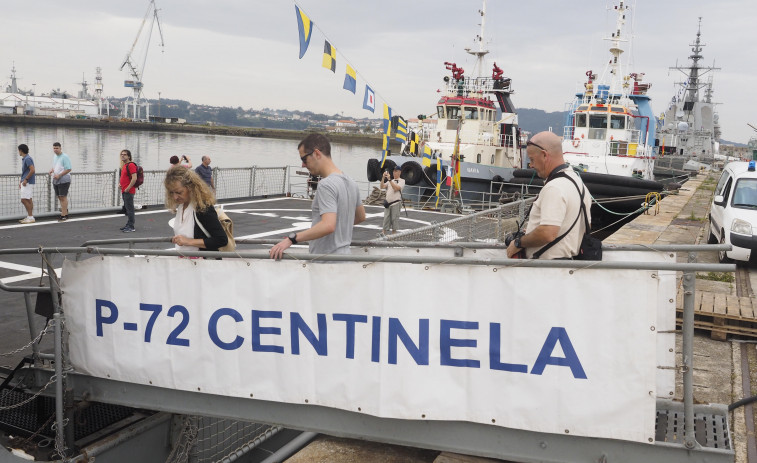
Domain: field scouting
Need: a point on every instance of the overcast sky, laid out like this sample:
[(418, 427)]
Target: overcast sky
[(245, 52)]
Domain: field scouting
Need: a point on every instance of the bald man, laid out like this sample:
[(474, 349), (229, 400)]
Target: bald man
[(557, 207)]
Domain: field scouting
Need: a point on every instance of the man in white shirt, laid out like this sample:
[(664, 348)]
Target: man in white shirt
[(393, 202), (558, 205)]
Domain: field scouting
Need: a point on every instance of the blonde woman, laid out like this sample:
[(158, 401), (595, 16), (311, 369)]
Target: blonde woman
[(190, 197)]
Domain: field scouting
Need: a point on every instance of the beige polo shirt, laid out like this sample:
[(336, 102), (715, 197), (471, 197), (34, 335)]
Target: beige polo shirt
[(559, 204)]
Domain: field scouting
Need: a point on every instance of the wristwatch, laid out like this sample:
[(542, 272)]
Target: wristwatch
[(517, 243), (293, 238)]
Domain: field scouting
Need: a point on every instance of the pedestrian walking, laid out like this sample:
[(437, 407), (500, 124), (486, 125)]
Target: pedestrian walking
[(26, 185)]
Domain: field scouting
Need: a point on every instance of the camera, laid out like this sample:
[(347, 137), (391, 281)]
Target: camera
[(510, 237)]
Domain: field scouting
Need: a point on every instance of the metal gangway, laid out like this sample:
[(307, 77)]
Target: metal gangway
[(128, 420)]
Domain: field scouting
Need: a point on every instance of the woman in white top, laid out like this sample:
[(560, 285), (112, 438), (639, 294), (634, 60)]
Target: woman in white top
[(192, 200)]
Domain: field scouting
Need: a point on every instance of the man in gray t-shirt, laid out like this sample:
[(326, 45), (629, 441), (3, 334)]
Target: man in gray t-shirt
[(336, 208)]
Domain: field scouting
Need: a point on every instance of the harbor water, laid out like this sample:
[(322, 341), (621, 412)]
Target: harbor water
[(97, 150)]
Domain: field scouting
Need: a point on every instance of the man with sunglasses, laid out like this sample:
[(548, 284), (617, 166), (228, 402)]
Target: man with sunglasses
[(337, 206), (554, 220)]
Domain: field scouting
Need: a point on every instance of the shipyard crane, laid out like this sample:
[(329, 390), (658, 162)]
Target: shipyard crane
[(135, 68)]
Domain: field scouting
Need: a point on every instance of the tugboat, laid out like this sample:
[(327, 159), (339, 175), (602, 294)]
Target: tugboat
[(610, 127), (476, 125)]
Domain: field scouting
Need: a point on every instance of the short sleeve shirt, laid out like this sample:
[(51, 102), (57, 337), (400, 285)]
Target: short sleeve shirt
[(60, 163), (25, 168), (559, 204), (340, 194), (126, 172), (392, 194), (205, 172)]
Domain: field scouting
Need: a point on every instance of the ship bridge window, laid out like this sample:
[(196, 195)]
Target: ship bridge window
[(597, 127), (583, 107), (617, 122), (440, 112), (580, 120), (453, 112), (617, 109), (471, 113), (597, 122)]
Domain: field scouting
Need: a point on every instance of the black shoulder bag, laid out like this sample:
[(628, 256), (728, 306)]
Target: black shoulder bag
[(591, 248)]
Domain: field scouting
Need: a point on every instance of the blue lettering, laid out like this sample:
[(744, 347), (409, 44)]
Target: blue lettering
[(257, 330), (296, 323), (446, 343), (570, 360), (213, 329), (418, 352), (350, 321), (494, 354), (376, 340), (100, 319)]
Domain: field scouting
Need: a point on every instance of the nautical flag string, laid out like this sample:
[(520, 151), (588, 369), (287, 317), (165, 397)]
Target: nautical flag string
[(329, 56), (305, 29), (350, 82), (439, 167)]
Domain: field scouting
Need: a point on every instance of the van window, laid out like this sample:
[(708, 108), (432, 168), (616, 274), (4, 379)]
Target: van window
[(721, 183), (727, 190), (745, 193)]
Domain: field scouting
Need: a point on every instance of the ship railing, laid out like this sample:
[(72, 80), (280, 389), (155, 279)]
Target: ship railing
[(480, 85), (100, 191), (52, 374)]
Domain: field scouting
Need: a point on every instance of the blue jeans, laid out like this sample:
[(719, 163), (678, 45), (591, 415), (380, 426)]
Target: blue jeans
[(129, 206)]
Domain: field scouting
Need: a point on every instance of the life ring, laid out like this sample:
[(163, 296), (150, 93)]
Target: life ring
[(576, 142)]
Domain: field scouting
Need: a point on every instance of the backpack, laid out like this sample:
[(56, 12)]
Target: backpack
[(228, 228), (140, 175)]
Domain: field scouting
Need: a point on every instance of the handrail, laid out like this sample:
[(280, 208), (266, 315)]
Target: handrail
[(504, 262)]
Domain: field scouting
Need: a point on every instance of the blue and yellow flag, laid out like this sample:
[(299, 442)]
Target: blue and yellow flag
[(439, 167), (350, 79), (401, 133), (329, 56), (426, 159), (305, 28), (385, 149), (387, 119)]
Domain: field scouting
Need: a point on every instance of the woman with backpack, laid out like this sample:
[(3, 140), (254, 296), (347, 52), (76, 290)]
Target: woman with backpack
[(196, 225), (128, 185)]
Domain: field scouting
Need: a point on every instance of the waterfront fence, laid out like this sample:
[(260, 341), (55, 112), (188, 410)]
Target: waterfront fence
[(92, 191)]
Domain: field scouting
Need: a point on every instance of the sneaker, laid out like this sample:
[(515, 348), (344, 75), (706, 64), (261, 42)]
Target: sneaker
[(124, 227), (62, 218), (129, 229), (27, 220)]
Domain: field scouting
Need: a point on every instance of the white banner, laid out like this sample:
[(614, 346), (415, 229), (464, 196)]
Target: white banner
[(549, 350)]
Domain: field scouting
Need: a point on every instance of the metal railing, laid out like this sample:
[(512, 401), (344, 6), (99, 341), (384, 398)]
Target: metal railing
[(92, 191)]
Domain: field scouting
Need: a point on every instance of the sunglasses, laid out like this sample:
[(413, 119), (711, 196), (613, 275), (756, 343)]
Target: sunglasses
[(530, 143), (303, 158)]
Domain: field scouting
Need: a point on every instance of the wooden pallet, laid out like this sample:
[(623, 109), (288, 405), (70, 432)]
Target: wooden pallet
[(721, 314)]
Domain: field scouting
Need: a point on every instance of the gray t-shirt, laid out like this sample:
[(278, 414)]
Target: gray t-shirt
[(336, 193)]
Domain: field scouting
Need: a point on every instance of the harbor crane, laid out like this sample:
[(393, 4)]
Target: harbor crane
[(135, 68)]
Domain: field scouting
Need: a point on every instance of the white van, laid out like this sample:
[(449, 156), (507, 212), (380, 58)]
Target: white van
[(733, 213)]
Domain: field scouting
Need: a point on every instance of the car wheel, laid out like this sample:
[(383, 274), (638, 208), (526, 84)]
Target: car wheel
[(711, 239), (722, 256)]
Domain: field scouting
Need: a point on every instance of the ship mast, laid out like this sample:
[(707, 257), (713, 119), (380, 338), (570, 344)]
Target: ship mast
[(478, 67), (694, 74), (616, 77)]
